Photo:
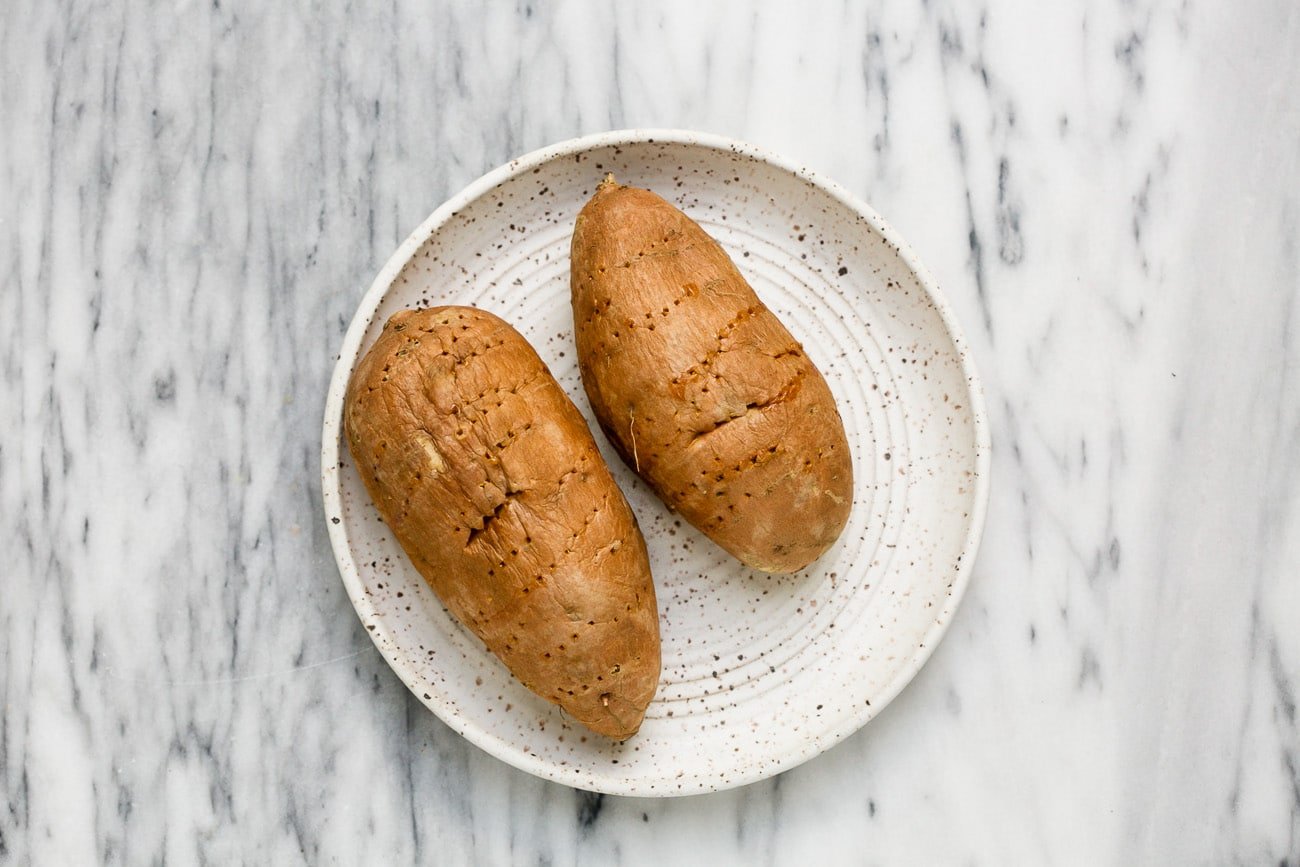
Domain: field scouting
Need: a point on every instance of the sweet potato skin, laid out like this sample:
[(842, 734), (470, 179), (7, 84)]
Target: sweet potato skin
[(489, 477), (702, 390)]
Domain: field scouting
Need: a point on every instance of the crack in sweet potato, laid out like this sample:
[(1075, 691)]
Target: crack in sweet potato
[(786, 392), (488, 519), (713, 354)]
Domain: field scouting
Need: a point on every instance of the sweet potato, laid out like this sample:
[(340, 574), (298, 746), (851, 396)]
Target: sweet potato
[(491, 481), (702, 390)]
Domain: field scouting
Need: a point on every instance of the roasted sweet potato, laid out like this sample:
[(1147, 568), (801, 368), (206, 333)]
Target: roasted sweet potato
[(700, 387), (491, 481)]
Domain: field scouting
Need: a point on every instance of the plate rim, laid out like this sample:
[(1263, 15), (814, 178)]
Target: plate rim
[(331, 453)]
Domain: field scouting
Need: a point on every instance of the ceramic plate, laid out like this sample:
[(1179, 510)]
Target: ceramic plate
[(760, 672)]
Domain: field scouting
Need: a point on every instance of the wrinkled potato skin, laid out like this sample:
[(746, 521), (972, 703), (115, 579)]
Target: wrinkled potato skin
[(701, 388), (491, 481)]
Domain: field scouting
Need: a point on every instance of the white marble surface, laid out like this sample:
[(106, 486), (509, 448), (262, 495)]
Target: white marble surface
[(193, 196)]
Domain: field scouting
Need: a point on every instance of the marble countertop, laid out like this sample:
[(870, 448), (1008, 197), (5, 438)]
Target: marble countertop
[(194, 196)]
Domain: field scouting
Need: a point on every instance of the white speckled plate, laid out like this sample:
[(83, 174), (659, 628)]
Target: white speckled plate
[(760, 672)]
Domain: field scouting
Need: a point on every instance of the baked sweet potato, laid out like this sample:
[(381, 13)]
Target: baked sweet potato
[(491, 481), (700, 387)]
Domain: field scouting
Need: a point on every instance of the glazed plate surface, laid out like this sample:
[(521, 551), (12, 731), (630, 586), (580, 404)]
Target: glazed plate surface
[(760, 672)]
